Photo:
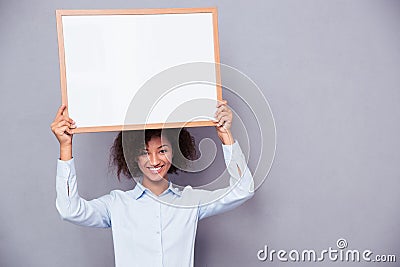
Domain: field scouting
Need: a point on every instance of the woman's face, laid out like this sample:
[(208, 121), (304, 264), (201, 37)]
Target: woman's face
[(155, 160)]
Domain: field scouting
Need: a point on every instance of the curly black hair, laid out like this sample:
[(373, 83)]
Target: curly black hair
[(128, 145)]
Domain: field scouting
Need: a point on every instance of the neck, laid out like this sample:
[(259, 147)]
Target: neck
[(156, 187)]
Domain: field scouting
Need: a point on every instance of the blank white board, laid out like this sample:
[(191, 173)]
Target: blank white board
[(108, 56)]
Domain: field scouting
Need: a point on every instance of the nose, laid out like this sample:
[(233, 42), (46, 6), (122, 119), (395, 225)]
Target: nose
[(154, 159)]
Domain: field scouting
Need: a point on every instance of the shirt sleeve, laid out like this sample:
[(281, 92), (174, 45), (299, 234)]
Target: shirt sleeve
[(72, 207), (240, 189)]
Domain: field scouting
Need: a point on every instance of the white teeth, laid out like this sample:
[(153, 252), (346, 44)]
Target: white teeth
[(154, 169)]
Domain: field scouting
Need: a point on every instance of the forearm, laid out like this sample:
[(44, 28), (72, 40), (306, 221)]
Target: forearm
[(241, 185), (71, 206), (65, 152), (68, 199), (226, 137), (240, 175)]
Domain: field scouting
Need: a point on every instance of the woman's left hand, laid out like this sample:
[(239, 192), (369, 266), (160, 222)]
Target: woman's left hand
[(223, 117)]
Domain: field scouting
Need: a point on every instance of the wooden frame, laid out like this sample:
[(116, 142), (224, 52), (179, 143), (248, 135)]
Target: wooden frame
[(61, 30)]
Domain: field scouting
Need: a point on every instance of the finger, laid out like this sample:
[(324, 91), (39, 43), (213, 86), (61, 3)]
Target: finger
[(69, 131), (225, 125), (60, 110), (223, 114), (222, 102), (226, 118), (58, 120), (65, 123), (64, 130), (222, 121), (61, 130), (223, 108), (220, 109), (219, 126), (62, 124), (61, 116), (68, 119)]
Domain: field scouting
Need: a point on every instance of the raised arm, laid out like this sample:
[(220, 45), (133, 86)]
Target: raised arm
[(69, 204), (72, 207), (241, 184), (240, 189)]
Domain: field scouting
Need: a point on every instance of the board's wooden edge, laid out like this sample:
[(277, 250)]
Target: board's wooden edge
[(146, 11), (63, 81), (117, 128), (216, 54), (61, 55)]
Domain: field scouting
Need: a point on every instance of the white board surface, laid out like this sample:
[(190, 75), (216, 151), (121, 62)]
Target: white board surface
[(108, 58)]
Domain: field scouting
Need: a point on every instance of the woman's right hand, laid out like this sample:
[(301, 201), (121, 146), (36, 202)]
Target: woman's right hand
[(62, 128)]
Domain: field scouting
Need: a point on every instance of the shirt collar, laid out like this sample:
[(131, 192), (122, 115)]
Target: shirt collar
[(139, 189)]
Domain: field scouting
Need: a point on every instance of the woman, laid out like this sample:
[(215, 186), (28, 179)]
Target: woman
[(155, 223)]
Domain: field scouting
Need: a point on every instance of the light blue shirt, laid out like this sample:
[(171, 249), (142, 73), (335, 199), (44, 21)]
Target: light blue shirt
[(150, 230)]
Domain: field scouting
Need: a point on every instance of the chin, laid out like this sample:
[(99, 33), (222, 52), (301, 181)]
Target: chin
[(156, 177), (158, 174)]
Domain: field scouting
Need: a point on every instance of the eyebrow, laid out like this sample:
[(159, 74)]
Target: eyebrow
[(157, 147)]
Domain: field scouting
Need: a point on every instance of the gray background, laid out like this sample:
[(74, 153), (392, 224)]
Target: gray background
[(330, 70)]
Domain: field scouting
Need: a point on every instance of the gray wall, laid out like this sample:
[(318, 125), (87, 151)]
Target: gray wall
[(330, 70)]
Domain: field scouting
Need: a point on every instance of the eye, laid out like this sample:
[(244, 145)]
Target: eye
[(163, 151)]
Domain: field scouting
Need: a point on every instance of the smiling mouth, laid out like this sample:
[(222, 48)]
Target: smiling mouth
[(155, 170)]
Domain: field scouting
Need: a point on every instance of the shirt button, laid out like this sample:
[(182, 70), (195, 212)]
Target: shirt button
[(158, 232)]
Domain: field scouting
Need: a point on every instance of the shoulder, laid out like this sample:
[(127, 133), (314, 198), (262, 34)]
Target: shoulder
[(118, 192), (194, 193), (117, 196)]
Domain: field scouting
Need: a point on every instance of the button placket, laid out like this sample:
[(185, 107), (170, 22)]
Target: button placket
[(158, 229), (158, 232)]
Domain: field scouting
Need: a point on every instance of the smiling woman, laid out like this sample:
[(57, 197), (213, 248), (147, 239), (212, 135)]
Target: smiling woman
[(150, 153), (155, 223), (125, 160)]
